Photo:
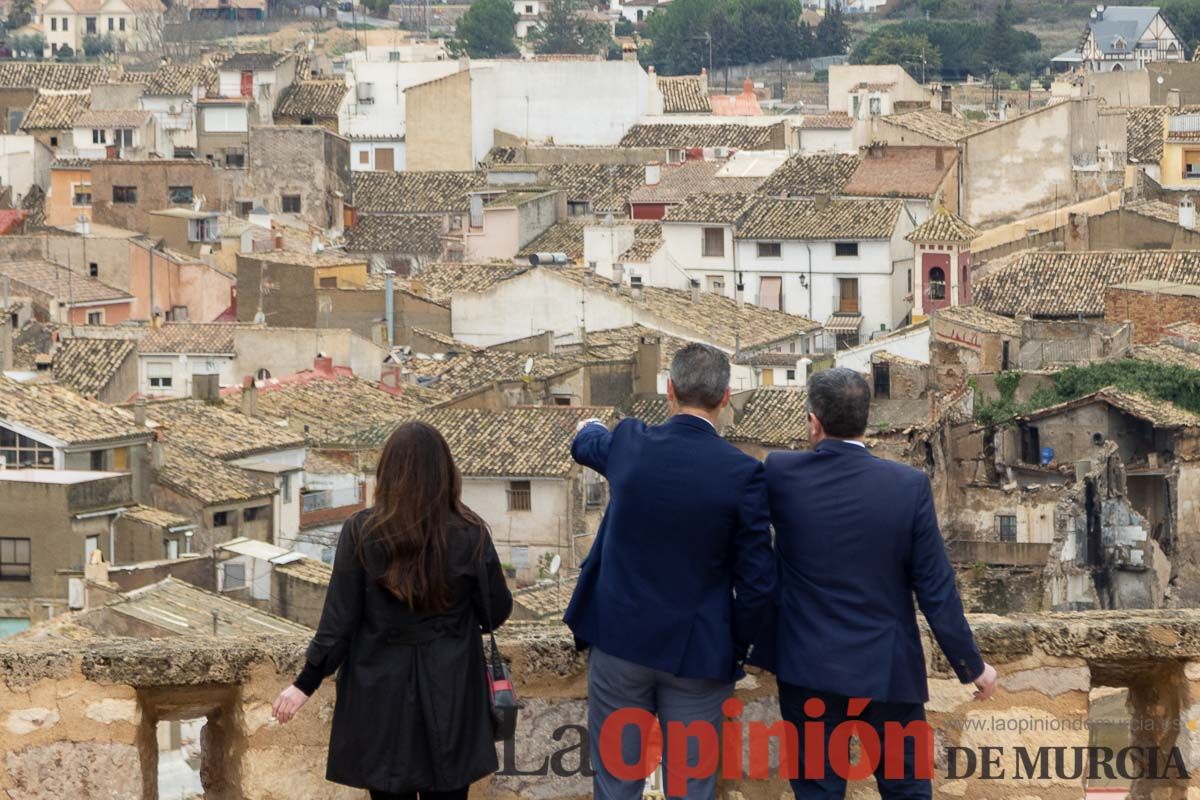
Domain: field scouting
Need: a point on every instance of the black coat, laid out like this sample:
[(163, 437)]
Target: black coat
[(412, 708)]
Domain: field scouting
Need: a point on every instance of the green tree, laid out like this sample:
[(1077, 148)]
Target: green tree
[(486, 30), (31, 46), (832, 35), (679, 35), (95, 45), (564, 29), (913, 51), (959, 46), (1184, 17), (1000, 43), (20, 13), (65, 53), (624, 27)]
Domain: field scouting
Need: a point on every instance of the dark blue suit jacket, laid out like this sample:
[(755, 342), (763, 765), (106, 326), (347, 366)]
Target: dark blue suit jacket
[(857, 538), (686, 528)]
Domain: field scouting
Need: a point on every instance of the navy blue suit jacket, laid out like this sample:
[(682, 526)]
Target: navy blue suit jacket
[(681, 571), (857, 538)]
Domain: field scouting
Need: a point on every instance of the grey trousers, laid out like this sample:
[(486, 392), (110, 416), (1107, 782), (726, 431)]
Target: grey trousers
[(614, 683)]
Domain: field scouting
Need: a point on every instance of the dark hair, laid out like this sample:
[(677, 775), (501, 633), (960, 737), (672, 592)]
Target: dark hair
[(418, 496), (700, 374), (841, 400)]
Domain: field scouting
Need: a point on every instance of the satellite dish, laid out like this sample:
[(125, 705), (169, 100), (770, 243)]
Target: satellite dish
[(529, 365), (555, 564)]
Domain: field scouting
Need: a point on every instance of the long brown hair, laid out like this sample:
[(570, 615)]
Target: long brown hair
[(418, 496)]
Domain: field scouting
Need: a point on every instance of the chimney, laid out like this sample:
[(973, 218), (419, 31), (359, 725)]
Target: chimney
[(390, 380), (139, 412), (249, 397), (619, 273), (279, 240), (323, 365), (739, 295), (1187, 214), (635, 287), (802, 368), (389, 306), (649, 356), (206, 387), (695, 284), (821, 200), (157, 454), (748, 87), (653, 173)]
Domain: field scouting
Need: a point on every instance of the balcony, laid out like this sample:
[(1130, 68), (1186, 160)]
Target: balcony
[(330, 505)]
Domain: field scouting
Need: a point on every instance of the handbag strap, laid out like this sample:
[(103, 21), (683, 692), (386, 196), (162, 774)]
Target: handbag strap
[(485, 590)]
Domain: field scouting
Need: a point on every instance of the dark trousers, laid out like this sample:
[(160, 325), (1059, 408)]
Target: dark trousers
[(833, 786), (457, 794)]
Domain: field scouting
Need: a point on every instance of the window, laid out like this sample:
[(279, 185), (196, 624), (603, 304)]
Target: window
[(234, 576), (220, 519), (90, 545), (1007, 526), (123, 137), (232, 119), (528, 9), (937, 284), (235, 158), (845, 249), (54, 23), (770, 292), (250, 514), (110, 23), (328, 283), (1191, 164), (714, 243), (791, 374), (857, 104), (180, 194), (715, 283), (769, 250), (14, 559), (54, 141), (285, 488), (95, 318), (21, 451), (910, 280), (848, 295), (54, 49), (244, 207), (578, 208), (124, 194), (121, 24), (90, 25), (875, 106), (881, 373), (99, 136), (562, 401), (1004, 355), (364, 156), (159, 375), (178, 314), (520, 496), (82, 195), (93, 270), (291, 203), (306, 120)]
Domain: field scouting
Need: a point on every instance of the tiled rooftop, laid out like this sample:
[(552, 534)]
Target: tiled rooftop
[(219, 432), (252, 61), (805, 175), (55, 110), (1058, 284), (773, 417), (679, 181), (1166, 353), (176, 79), (87, 365), (59, 282), (309, 570), (486, 367), (186, 610), (772, 218), (113, 118), (441, 280), (683, 94), (945, 227), (408, 234), (910, 172), (937, 125), (1144, 131), (44, 75), (161, 518), (605, 186), (664, 134), (1159, 413), (192, 338), (527, 441), (651, 410), (980, 320), (719, 209), (207, 479), (414, 192), (319, 99), (834, 120), (63, 414)]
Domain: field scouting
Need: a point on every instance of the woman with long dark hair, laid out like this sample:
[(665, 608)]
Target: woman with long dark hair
[(402, 619)]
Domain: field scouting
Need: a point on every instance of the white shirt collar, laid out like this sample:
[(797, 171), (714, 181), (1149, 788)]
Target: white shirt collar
[(697, 416), (855, 441)]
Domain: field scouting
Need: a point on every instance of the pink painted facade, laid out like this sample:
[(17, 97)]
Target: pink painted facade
[(206, 292)]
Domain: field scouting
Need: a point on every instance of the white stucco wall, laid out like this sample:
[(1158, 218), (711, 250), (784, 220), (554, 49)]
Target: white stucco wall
[(912, 342), (183, 367), (384, 116), (544, 528)]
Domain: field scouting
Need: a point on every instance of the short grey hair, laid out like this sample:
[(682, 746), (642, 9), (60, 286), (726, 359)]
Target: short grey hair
[(841, 399), (700, 374)]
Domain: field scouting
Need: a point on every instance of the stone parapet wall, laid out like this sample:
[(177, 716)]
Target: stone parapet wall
[(77, 719)]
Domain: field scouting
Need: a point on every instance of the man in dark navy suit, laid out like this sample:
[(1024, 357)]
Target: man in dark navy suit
[(677, 581), (857, 538)]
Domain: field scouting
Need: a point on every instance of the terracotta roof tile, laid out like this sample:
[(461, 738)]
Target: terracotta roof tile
[(1154, 209), (771, 218), (943, 226), (651, 410), (156, 516), (645, 245), (664, 134), (441, 280), (309, 570), (192, 338), (677, 182), (605, 186), (55, 110), (1159, 413), (1167, 353), (414, 192), (210, 480), (186, 610), (527, 441), (773, 417), (619, 344), (219, 432), (546, 599), (252, 61), (683, 94), (980, 320), (901, 172), (937, 125), (718, 209), (318, 99), (409, 234), (176, 79), (805, 175), (486, 367), (1050, 284), (53, 281), (834, 120), (38, 75), (1144, 131), (87, 365), (63, 414), (113, 118)]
